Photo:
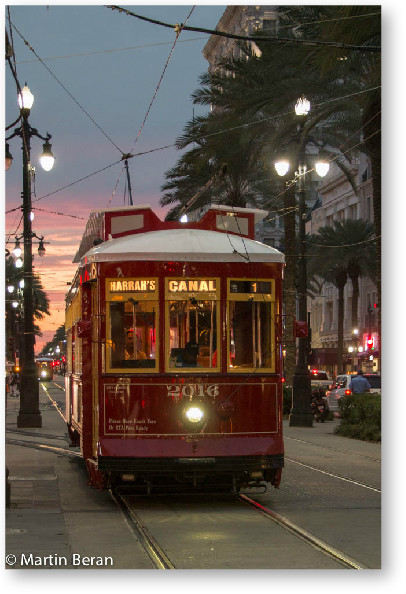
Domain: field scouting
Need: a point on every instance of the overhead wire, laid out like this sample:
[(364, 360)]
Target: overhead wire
[(146, 45), (111, 50), (66, 90), (336, 19), (297, 41), (164, 148), (151, 102)]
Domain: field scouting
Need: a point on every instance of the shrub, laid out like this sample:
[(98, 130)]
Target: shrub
[(360, 416)]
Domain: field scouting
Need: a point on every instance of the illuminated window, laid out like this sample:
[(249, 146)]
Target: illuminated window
[(132, 325), (251, 325), (192, 324)]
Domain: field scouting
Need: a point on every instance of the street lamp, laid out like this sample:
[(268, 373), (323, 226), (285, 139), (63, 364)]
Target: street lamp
[(301, 413), (29, 413)]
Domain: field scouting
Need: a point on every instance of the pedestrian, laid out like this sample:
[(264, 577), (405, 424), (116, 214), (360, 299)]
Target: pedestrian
[(12, 382), (359, 384)]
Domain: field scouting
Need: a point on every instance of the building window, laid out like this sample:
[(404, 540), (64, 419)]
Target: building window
[(369, 213), (269, 24), (329, 315), (352, 212)]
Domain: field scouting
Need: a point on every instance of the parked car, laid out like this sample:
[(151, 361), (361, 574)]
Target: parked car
[(320, 379), (341, 387)]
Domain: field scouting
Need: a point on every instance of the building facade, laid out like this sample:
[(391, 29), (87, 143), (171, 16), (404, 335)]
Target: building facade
[(239, 20), (339, 202)]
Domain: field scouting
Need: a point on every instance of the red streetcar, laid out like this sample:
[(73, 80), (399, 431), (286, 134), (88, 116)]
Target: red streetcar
[(174, 359)]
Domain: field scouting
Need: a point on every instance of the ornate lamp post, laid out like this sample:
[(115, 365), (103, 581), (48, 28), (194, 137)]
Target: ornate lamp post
[(29, 413), (301, 413)]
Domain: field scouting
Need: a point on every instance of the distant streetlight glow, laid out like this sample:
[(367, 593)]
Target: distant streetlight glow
[(17, 249)]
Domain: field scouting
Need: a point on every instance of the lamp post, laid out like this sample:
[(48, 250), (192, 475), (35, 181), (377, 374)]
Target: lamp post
[(29, 414), (301, 413)]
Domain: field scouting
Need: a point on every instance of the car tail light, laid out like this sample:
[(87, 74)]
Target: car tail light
[(348, 392)]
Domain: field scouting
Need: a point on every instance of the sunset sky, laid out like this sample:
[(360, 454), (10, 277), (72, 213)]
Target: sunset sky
[(100, 65)]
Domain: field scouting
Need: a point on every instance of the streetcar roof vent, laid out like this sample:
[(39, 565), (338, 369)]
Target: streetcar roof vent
[(114, 223)]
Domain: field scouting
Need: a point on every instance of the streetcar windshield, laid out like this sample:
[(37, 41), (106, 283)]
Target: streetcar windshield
[(250, 325), (133, 334), (193, 333)]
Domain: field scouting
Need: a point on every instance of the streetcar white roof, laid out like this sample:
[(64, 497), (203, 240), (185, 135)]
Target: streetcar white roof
[(186, 245)]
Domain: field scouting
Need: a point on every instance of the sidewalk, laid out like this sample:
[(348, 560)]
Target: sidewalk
[(55, 520)]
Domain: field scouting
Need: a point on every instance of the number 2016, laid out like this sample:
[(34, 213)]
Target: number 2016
[(189, 390)]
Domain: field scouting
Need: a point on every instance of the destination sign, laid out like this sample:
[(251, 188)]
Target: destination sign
[(132, 286), (192, 286), (249, 287)]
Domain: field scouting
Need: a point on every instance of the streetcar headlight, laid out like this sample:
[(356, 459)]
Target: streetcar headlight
[(194, 414), (43, 373)]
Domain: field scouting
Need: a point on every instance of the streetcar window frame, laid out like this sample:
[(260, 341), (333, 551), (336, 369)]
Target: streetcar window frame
[(248, 295), (123, 297), (174, 363)]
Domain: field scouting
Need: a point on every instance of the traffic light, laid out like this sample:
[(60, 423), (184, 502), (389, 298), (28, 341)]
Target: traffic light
[(370, 343)]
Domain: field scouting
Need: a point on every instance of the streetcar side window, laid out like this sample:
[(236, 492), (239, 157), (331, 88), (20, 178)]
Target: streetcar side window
[(250, 325), (132, 343)]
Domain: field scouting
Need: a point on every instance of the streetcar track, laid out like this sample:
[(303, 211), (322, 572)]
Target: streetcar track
[(43, 447), (151, 546), (337, 476), (32, 434), (303, 534), (54, 403), (158, 556), (319, 445)]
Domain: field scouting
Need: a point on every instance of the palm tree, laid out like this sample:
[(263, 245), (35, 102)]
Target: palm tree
[(40, 299), (357, 241), (339, 252), (362, 71), (323, 262)]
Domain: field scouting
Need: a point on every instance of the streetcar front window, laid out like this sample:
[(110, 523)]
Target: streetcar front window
[(250, 325), (193, 333), (132, 342)]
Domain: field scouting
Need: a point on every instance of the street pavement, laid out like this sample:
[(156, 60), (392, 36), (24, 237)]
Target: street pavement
[(55, 516)]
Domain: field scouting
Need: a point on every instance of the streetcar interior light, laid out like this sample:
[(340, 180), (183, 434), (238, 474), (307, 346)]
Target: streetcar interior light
[(194, 414)]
